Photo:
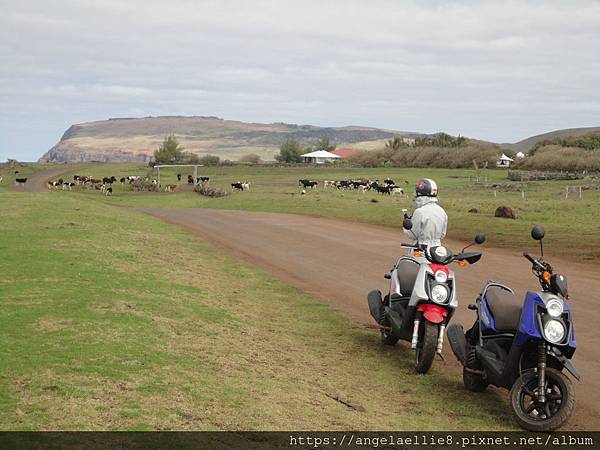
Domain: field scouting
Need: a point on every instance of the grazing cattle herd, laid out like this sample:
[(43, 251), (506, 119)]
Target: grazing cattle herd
[(362, 185), (144, 183), (105, 184)]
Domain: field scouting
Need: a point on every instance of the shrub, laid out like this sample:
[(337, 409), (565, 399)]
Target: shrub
[(558, 158), (209, 160), (208, 191), (461, 157), (250, 159)]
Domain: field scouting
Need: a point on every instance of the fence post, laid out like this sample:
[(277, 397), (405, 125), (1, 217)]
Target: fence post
[(567, 192), (495, 193), (580, 192), (522, 194)]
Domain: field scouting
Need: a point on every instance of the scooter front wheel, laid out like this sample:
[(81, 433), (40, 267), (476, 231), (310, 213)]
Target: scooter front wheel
[(550, 415), (426, 347)]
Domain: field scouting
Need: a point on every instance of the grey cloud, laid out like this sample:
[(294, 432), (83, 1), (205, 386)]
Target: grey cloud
[(493, 70)]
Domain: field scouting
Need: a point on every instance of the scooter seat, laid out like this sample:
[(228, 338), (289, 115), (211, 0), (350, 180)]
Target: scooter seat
[(407, 276), (505, 307)]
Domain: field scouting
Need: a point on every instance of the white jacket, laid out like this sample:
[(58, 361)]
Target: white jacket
[(430, 222)]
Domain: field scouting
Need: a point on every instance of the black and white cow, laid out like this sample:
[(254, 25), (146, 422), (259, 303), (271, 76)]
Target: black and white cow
[(308, 183)]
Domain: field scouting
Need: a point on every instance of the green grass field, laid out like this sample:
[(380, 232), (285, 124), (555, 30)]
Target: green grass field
[(112, 320), (571, 224)]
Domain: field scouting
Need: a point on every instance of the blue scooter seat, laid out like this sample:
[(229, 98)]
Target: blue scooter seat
[(505, 307)]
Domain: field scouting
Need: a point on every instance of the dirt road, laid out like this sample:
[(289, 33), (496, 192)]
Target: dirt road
[(36, 182), (339, 262)]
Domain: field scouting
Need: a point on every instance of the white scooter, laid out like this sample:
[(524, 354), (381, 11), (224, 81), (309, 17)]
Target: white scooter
[(421, 299)]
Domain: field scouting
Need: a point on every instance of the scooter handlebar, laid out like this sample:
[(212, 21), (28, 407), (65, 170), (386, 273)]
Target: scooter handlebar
[(533, 261), (529, 258)]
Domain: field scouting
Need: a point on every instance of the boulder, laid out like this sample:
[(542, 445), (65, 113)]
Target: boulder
[(473, 210), (506, 212)]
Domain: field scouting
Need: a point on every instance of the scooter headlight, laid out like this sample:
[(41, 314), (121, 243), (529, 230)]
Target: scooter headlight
[(554, 307), (554, 331), (439, 293), (440, 276)]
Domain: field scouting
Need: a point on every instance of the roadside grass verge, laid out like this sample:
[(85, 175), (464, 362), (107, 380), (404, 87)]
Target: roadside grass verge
[(277, 190), (112, 320)]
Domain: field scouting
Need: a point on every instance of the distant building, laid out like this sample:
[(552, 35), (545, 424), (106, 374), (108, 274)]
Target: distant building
[(343, 152), (504, 162), (319, 157), (520, 155)]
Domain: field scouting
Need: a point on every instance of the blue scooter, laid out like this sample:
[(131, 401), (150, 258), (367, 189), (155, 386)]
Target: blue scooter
[(524, 346)]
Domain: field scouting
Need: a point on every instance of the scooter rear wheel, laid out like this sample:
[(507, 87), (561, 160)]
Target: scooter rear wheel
[(428, 335), (540, 417)]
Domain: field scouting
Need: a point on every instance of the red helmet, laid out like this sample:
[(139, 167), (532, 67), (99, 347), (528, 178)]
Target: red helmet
[(426, 188)]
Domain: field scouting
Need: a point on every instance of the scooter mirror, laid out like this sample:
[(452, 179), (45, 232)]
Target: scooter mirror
[(538, 232), (480, 238), (407, 223)]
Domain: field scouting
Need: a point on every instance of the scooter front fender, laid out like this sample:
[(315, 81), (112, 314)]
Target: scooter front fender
[(433, 313)]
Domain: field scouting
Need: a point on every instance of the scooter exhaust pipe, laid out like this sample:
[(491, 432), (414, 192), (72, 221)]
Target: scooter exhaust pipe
[(415, 335)]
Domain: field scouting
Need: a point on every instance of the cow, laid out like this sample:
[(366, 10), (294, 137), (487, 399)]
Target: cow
[(238, 185), (178, 177), (328, 183), (358, 183), (389, 182), (190, 179), (108, 190), (68, 186), (202, 180), (384, 189), (363, 188), (20, 181), (107, 180), (122, 180), (54, 184), (308, 183), (246, 186), (170, 187), (397, 190), (343, 184)]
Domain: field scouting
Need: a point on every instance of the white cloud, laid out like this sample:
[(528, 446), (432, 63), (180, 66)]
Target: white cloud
[(493, 70)]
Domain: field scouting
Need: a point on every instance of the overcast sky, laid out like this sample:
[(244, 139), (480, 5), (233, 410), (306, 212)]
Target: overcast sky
[(494, 70)]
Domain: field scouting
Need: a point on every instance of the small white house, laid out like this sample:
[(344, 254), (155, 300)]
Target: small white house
[(520, 155), (504, 162), (319, 157)]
